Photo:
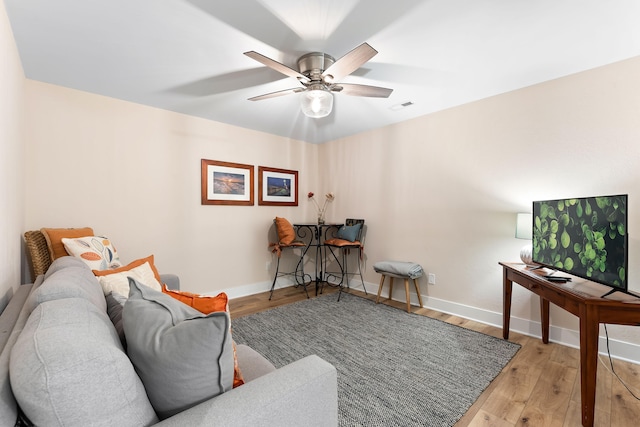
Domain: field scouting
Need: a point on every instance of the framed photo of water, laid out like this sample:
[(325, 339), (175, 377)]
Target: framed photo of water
[(277, 187), (225, 183)]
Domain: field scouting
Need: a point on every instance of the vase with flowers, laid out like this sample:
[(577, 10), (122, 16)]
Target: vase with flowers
[(321, 210)]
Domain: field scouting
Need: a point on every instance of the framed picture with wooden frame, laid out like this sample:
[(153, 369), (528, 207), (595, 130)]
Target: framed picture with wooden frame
[(277, 187), (225, 183)]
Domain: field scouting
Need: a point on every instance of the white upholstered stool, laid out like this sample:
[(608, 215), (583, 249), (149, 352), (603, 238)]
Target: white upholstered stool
[(402, 270)]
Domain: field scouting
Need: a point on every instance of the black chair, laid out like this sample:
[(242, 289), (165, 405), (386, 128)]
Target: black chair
[(348, 237), (287, 243)]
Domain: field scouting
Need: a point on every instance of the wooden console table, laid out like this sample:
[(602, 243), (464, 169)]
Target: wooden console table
[(580, 298)]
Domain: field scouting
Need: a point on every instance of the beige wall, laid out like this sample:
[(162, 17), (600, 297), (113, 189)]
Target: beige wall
[(11, 161), (133, 174), (443, 190)]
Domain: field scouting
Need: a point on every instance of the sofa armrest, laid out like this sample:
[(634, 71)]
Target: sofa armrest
[(171, 280), (303, 393)]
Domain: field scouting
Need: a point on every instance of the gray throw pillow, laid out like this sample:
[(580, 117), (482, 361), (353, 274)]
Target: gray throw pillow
[(115, 307), (183, 357)]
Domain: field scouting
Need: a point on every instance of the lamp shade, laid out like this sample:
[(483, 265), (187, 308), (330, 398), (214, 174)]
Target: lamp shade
[(316, 102), (524, 226)]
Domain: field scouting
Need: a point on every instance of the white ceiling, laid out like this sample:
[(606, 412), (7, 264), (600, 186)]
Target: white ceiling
[(187, 55)]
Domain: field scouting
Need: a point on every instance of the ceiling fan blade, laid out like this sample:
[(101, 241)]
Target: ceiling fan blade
[(276, 94), (362, 90), (350, 62), (276, 66)]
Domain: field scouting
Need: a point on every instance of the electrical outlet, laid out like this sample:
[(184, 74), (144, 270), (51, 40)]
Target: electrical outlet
[(267, 265), (432, 279)]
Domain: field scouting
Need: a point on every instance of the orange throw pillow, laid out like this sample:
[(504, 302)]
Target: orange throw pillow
[(206, 304), (286, 233), (54, 237)]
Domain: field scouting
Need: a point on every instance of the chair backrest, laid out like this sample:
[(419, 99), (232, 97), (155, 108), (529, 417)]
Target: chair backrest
[(38, 252)]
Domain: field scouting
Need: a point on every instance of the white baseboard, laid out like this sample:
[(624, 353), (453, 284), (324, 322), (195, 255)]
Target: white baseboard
[(256, 288), (619, 349), (252, 289), (622, 350)]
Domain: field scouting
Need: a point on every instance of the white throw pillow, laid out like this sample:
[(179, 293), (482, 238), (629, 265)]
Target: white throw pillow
[(96, 251), (119, 282)]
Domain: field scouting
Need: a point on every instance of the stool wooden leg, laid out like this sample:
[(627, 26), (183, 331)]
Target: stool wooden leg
[(415, 283), (390, 287), (380, 289), (406, 290)]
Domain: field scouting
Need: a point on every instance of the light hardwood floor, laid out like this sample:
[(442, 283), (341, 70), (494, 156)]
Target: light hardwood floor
[(539, 387)]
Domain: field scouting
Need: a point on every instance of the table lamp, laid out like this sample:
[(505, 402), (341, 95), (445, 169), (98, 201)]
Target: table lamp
[(524, 230)]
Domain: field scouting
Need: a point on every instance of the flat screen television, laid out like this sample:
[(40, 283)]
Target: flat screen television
[(585, 237)]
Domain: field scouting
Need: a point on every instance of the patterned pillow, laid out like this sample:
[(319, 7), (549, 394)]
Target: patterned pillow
[(96, 251)]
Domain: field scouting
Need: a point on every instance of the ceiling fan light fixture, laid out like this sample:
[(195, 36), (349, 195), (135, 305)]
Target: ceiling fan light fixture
[(316, 102)]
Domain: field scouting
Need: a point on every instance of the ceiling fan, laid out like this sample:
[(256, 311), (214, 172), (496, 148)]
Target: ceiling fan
[(319, 73)]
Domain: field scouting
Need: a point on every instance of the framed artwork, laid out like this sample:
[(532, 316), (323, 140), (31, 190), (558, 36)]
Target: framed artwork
[(277, 187), (224, 183)]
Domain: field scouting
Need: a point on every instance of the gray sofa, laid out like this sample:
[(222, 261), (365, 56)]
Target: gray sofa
[(62, 363)]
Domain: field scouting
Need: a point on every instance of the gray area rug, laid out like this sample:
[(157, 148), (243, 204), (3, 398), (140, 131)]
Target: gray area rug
[(394, 368)]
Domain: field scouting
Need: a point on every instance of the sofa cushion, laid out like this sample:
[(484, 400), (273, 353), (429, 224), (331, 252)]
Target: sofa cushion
[(96, 251), (54, 237), (183, 357), (252, 363), (68, 368), (68, 281), (64, 262)]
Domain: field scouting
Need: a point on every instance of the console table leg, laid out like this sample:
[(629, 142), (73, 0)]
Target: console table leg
[(544, 319), (589, 328), (507, 285)]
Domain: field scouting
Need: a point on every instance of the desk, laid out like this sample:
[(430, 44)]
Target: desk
[(316, 233), (580, 298)]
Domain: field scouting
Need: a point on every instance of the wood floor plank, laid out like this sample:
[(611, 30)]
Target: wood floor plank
[(539, 387), (550, 398), (625, 407), (485, 419)]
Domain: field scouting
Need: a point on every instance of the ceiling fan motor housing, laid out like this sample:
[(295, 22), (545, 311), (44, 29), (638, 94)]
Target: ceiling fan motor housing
[(313, 65)]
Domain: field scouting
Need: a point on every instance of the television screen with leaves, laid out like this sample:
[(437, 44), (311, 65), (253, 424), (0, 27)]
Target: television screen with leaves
[(584, 237)]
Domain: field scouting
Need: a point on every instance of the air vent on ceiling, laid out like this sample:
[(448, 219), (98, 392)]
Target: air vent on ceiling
[(401, 106)]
